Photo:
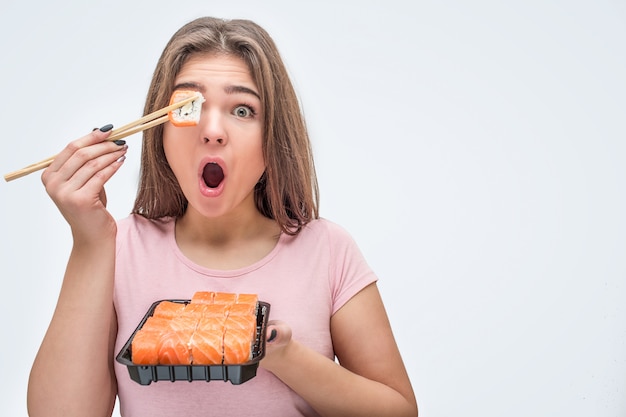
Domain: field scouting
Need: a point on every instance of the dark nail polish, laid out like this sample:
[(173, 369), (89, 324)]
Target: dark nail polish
[(94, 129), (272, 335), (120, 142), (106, 128)]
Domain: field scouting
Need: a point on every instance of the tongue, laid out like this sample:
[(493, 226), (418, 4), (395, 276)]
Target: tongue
[(213, 174)]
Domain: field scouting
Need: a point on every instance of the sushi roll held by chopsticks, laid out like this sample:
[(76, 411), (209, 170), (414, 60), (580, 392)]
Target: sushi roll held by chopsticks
[(189, 114)]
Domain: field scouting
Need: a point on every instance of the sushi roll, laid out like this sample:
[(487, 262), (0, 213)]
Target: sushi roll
[(207, 347), (189, 114), (202, 297), (242, 310), (174, 347), (248, 299), (239, 335), (225, 298), (168, 309), (145, 347)]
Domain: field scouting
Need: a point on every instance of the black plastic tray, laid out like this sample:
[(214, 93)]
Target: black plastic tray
[(236, 374)]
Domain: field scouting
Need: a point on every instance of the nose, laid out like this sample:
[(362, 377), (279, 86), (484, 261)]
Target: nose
[(213, 130)]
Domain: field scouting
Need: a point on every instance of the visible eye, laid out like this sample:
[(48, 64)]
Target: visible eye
[(243, 111)]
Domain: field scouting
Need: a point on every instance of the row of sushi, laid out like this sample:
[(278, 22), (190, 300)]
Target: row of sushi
[(213, 328)]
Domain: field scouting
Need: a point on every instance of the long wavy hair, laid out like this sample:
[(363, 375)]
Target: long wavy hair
[(287, 191)]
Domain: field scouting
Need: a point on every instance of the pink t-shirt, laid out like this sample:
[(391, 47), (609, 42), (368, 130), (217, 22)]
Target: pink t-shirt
[(305, 278)]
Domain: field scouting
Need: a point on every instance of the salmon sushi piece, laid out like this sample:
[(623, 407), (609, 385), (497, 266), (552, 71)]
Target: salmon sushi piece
[(212, 323), (189, 113), (224, 298), (195, 309), (242, 309), (184, 323), (237, 346), (155, 323), (206, 343), (168, 309), (206, 310), (248, 299), (239, 337), (164, 340), (174, 348), (145, 347), (202, 297), (216, 310), (207, 346), (246, 322)]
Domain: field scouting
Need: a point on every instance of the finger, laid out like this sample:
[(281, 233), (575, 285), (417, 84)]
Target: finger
[(96, 172), (97, 181), (70, 179), (96, 136), (273, 334), (94, 186), (278, 332), (84, 162)]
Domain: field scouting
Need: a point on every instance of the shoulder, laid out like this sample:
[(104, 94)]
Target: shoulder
[(325, 228), (348, 271), (334, 237)]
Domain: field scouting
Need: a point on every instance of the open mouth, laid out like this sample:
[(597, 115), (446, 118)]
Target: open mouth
[(213, 175)]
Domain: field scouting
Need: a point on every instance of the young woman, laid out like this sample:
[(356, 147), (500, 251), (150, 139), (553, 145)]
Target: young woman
[(227, 205)]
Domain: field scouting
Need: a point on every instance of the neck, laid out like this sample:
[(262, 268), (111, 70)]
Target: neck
[(224, 229), (226, 242)]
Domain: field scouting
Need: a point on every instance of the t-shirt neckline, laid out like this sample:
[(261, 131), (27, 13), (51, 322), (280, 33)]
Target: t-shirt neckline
[(220, 273)]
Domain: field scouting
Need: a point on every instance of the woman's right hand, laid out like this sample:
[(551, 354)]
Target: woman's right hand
[(75, 182)]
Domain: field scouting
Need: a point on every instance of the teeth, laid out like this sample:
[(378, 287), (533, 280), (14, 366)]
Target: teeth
[(212, 174)]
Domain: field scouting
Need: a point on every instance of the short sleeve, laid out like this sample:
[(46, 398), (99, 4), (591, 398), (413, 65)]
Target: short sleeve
[(349, 272)]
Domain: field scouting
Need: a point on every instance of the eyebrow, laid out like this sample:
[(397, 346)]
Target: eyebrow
[(232, 89), (189, 86), (229, 89)]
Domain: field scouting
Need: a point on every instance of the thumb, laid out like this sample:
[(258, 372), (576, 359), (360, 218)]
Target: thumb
[(278, 333)]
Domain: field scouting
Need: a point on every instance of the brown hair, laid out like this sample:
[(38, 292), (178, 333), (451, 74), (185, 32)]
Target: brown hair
[(287, 191)]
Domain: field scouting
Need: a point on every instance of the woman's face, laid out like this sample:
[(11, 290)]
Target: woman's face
[(218, 161)]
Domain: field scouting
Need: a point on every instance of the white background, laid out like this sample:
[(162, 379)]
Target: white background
[(475, 150)]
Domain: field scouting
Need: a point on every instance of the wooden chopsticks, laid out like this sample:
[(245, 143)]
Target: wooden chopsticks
[(153, 119)]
